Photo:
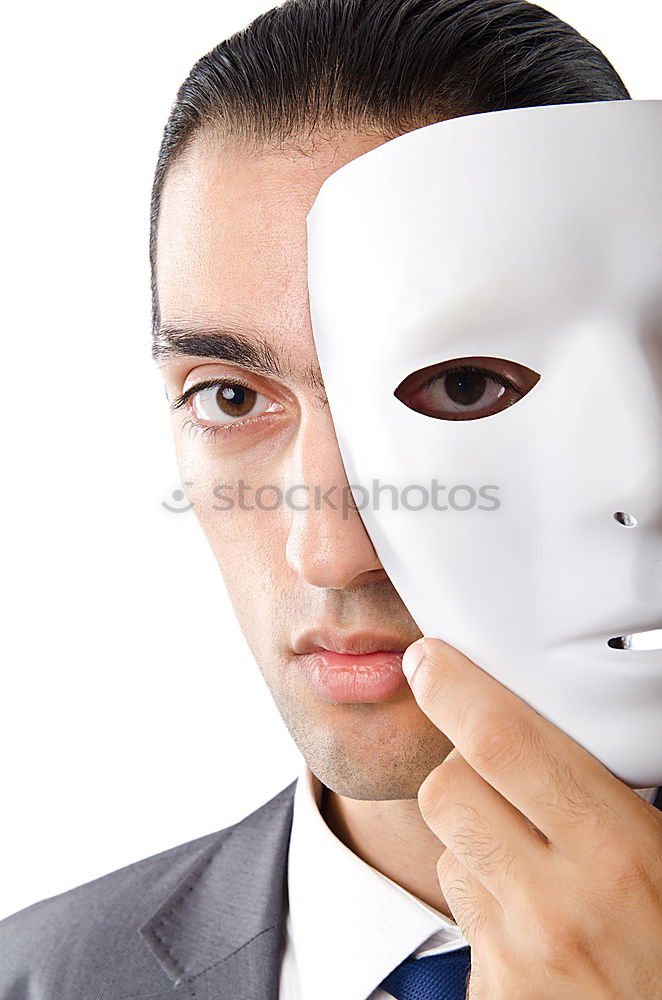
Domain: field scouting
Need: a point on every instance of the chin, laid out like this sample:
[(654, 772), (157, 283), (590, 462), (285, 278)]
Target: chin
[(388, 766), (367, 786), (378, 751)]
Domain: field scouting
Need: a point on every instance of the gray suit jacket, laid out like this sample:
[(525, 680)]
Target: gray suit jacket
[(204, 920)]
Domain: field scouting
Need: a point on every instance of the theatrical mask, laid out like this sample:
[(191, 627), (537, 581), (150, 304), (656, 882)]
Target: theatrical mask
[(486, 302)]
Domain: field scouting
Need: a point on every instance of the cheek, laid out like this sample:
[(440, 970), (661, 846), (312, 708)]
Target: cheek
[(220, 470), (239, 503), (247, 537), (247, 544), (249, 548)]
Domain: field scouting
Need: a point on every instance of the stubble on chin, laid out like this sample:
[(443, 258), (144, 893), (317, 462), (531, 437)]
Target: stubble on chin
[(380, 751)]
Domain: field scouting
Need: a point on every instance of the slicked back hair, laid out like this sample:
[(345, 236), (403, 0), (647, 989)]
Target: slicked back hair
[(379, 66)]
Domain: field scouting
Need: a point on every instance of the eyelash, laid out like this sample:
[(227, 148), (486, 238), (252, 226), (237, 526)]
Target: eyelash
[(210, 383), (198, 428), (475, 370)]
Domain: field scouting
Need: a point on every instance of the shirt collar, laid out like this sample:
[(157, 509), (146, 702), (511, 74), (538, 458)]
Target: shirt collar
[(350, 924)]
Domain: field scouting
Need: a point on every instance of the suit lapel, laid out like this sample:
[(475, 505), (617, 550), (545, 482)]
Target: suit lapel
[(219, 934)]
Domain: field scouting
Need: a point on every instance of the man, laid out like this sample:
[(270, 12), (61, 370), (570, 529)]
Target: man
[(403, 836)]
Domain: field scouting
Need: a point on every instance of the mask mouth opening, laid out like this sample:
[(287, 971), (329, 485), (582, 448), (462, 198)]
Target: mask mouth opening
[(651, 639)]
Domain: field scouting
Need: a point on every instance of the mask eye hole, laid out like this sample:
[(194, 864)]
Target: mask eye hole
[(466, 388)]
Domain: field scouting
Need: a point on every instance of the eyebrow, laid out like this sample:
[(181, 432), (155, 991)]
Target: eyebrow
[(221, 343)]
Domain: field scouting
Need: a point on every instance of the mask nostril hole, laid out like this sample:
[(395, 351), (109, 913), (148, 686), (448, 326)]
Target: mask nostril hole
[(625, 519)]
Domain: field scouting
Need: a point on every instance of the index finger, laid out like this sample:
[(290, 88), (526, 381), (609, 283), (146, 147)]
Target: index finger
[(539, 768)]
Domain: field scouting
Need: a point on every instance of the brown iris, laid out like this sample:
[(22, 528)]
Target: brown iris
[(466, 388), (235, 400)]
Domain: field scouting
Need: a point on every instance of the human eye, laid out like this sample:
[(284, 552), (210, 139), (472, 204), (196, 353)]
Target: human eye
[(466, 388), (219, 404)]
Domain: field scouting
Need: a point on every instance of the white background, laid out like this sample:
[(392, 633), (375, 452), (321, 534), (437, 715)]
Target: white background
[(133, 716)]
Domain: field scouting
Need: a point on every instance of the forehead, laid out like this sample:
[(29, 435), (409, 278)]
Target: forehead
[(231, 239)]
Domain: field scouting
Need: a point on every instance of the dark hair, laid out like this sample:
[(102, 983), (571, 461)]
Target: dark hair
[(377, 65)]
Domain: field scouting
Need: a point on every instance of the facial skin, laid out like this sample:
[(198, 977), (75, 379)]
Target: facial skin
[(232, 253)]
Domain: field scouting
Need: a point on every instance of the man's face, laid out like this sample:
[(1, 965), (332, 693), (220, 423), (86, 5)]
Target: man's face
[(232, 255)]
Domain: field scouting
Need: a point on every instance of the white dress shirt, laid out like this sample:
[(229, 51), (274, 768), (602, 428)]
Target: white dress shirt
[(348, 925)]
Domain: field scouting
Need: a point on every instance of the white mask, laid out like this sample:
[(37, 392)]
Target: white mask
[(534, 237)]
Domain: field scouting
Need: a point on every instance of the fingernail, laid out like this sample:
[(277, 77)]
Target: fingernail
[(412, 657)]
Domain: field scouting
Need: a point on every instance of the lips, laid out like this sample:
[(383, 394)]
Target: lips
[(351, 667), (357, 643)]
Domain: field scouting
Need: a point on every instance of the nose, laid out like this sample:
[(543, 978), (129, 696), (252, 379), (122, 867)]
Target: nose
[(327, 543)]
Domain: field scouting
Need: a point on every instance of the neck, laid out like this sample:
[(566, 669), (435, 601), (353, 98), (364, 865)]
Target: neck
[(392, 837)]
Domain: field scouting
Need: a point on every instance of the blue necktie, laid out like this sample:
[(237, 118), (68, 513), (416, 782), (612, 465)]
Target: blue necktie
[(433, 977)]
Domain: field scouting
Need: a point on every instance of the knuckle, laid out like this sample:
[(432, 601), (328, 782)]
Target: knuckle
[(629, 873), (486, 855), (562, 794), (454, 766), (577, 800), (498, 742), (446, 866), (492, 858), (442, 785), (429, 792), (442, 796), (500, 968), (430, 686), (560, 942), (472, 840), (457, 891)]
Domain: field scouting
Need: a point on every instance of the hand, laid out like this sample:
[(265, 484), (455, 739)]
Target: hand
[(552, 866)]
